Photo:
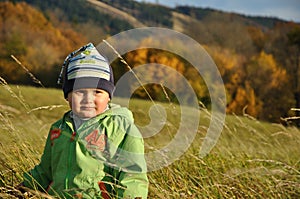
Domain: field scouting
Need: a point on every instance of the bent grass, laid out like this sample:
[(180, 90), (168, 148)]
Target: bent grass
[(252, 159)]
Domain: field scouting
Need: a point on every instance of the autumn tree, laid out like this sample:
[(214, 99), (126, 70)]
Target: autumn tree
[(167, 70), (240, 95), (294, 41), (254, 86), (28, 35), (282, 44), (269, 82)]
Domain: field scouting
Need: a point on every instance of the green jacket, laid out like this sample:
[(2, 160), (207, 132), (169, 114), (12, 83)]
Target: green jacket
[(104, 158)]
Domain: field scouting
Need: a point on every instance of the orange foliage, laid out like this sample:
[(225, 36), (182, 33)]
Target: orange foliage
[(249, 83), (254, 80), (34, 40), (244, 102), (258, 37), (159, 57)]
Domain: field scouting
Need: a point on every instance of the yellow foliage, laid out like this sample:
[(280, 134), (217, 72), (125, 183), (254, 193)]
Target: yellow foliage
[(33, 39), (237, 104), (273, 72), (267, 61), (244, 102), (225, 59), (156, 57)]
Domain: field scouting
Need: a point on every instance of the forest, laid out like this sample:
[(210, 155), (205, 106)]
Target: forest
[(258, 57)]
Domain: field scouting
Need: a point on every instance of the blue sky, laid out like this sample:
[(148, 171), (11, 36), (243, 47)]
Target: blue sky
[(283, 9)]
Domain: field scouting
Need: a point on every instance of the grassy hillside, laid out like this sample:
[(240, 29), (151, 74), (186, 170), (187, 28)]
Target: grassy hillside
[(251, 160), (256, 56)]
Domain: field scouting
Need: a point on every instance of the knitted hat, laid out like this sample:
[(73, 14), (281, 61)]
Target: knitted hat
[(86, 68)]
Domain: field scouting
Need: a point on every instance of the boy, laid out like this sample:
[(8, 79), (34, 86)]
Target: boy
[(95, 150)]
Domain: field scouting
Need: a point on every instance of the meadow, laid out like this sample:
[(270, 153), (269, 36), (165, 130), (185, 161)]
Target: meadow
[(252, 159)]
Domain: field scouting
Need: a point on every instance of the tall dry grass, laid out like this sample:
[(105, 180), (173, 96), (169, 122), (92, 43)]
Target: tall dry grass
[(252, 159)]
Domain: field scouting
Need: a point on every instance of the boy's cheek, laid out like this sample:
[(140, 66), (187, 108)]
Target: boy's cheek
[(74, 105)]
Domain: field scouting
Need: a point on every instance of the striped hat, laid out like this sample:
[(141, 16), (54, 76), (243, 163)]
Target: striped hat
[(86, 68)]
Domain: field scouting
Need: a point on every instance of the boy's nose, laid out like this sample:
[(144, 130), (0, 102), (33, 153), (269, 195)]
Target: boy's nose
[(88, 97)]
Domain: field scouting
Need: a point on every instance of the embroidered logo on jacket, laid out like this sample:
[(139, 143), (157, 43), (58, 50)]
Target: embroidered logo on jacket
[(96, 140), (55, 133)]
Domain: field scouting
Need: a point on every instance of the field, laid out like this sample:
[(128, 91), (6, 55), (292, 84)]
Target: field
[(252, 159)]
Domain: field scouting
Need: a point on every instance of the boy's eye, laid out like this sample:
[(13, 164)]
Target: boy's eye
[(98, 91), (86, 92), (79, 92)]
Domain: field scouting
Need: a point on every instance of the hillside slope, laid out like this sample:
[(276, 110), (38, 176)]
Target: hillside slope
[(179, 20), (256, 56), (105, 8)]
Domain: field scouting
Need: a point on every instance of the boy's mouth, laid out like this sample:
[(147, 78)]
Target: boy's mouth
[(87, 107)]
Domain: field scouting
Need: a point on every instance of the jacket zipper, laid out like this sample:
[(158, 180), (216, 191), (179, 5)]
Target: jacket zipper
[(69, 163)]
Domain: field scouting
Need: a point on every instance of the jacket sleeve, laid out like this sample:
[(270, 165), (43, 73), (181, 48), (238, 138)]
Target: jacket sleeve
[(132, 165), (40, 177)]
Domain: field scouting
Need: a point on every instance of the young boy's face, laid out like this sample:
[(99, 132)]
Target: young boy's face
[(88, 102)]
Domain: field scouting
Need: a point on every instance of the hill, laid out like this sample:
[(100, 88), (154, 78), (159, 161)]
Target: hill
[(110, 10), (256, 56), (251, 159)]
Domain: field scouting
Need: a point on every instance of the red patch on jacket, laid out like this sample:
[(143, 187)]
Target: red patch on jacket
[(104, 192), (55, 133), (95, 140)]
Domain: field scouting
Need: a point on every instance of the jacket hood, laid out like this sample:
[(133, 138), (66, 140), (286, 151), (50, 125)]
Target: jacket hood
[(117, 110)]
